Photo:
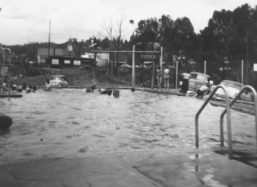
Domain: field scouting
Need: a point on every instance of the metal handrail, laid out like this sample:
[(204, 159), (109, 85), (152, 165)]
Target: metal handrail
[(234, 100), (221, 128)]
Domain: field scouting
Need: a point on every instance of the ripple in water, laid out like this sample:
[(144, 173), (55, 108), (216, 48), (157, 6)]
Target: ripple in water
[(95, 123)]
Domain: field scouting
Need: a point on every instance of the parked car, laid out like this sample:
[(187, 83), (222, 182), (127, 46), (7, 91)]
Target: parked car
[(58, 80), (196, 80), (232, 88)]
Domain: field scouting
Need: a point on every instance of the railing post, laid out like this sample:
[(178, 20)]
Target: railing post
[(221, 133), (228, 113), (221, 126)]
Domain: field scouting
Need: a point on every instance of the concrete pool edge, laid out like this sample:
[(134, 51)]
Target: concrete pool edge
[(139, 168)]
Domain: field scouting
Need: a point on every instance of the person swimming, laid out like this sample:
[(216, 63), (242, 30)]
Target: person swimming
[(29, 89), (34, 88), (24, 86), (5, 88), (47, 85), (91, 88), (202, 91), (116, 92), (105, 91)]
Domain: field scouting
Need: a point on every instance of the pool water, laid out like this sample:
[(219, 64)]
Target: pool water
[(73, 123)]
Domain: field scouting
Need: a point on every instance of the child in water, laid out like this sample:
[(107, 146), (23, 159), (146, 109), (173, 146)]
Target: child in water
[(47, 85), (5, 88)]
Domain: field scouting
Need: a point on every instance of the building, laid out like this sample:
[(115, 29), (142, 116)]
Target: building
[(42, 55)]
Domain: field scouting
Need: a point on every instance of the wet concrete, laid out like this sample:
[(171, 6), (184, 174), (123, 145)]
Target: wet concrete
[(176, 168)]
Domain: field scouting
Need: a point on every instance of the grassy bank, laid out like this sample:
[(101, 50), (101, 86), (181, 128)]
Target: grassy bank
[(84, 78)]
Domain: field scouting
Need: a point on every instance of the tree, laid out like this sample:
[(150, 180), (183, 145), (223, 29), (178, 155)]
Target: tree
[(115, 33), (230, 37)]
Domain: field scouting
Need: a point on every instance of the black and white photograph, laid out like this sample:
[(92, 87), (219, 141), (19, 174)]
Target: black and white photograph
[(128, 93)]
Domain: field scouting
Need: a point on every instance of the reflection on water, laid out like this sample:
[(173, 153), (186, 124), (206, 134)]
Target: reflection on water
[(69, 123)]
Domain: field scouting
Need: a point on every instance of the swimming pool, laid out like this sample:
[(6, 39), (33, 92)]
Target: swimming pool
[(73, 123)]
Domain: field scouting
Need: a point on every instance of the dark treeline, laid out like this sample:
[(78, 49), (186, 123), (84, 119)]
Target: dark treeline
[(229, 38)]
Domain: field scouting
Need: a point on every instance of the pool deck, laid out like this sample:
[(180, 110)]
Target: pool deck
[(146, 168), (170, 91)]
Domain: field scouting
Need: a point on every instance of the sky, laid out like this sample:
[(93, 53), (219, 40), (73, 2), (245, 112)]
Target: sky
[(26, 21)]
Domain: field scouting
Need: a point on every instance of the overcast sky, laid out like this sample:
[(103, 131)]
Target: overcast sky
[(24, 21)]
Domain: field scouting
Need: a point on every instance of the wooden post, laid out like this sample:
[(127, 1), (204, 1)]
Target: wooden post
[(133, 66), (94, 67), (161, 54), (153, 70), (176, 74), (242, 71), (205, 67)]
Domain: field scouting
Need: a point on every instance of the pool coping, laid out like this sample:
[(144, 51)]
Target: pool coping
[(146, 168)]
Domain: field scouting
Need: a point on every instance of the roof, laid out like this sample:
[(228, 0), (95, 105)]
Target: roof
[(57, 76), (234, 82), (44, 51), (200, 74)]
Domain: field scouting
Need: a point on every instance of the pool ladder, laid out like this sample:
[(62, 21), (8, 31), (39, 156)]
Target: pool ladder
[(227, 110)]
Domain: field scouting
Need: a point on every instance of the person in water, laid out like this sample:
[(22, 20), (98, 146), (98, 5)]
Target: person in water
[(5, 88), (29, 89), (105, 91), (91, 88), (47, 85), (24, 86), (166, 76), (159, 74), (34, 88), (202, 91)]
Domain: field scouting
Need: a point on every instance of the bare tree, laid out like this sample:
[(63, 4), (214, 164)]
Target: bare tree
[(115, 33)]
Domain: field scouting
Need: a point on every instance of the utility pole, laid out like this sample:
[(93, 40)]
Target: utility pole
[(49, 45), (247, 55)]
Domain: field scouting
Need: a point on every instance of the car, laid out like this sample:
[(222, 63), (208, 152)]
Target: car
[(232, 88), (196, 80), (58, 80)]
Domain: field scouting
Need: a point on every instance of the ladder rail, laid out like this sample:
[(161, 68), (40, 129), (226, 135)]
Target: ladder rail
[(221, 127), (234, 100)]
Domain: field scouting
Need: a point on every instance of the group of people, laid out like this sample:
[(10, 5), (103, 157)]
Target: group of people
[(14, 88), (163, 75)]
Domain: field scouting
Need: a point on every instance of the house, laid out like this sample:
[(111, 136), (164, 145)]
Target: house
[(43, 54), (5, 57)]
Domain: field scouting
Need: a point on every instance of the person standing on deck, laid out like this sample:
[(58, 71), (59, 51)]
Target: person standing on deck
[(159, 74), (185, 84), (166, 78)]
